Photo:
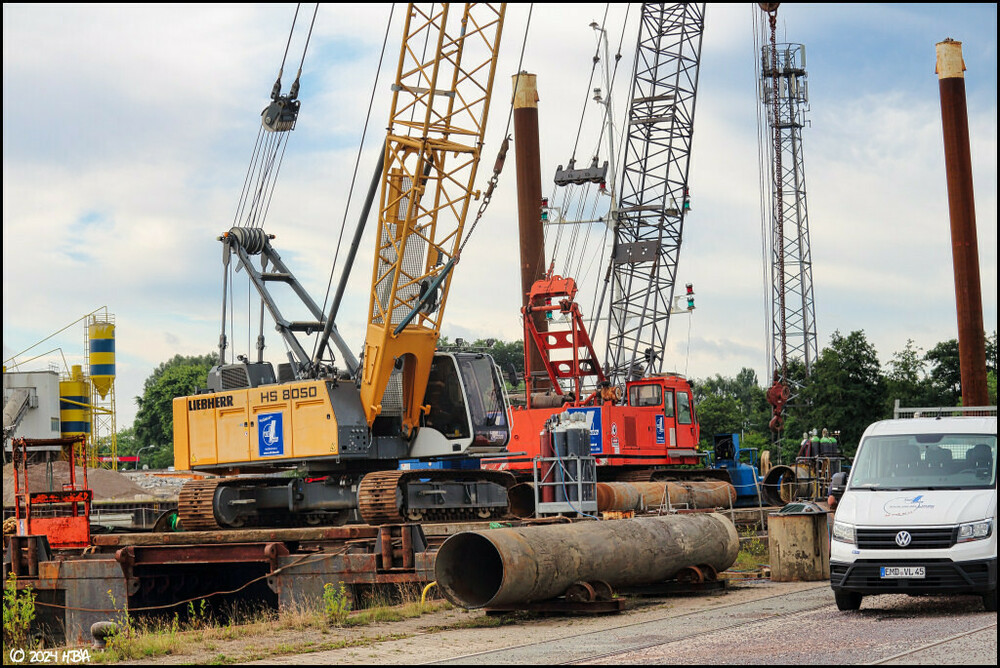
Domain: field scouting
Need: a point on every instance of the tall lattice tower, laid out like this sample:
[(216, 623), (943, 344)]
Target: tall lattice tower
[(99, 332), (654, 197), (784, 94)]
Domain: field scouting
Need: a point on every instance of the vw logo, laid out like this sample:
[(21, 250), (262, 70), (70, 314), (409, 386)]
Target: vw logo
[(903, 538)]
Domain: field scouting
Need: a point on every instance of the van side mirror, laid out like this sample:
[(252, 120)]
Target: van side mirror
[(838, 483)]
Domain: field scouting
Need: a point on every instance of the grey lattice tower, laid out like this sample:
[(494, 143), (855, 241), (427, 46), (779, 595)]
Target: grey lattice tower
[(654, 197)]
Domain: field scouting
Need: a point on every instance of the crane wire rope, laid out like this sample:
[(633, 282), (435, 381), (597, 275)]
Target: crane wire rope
[(265, 164), (576, 253), (357, 163), (595, 59), (294, 93), (265, 161), (260, 129), (763, 160)]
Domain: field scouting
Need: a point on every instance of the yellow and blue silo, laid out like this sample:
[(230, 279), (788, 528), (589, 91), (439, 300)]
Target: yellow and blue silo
[(74, 404), (101, 336)]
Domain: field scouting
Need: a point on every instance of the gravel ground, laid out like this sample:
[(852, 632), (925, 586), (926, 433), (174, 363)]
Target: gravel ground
[(753, 623)]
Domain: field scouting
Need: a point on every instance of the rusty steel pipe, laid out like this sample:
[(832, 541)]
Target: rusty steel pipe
[(522, 500), (476, 569), (625, 496), (962, 212), (784, 484), (529, 198)]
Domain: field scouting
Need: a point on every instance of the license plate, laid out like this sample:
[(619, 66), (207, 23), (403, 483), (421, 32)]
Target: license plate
[(903, 571)]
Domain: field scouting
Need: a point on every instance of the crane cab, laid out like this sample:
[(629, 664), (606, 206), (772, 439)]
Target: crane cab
[(465, 408)]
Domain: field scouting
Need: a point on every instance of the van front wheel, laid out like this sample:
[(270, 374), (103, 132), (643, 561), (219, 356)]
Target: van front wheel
[(990, 600), (849, 600)]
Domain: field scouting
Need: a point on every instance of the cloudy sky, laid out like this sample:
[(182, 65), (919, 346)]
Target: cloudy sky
[(128, 130)]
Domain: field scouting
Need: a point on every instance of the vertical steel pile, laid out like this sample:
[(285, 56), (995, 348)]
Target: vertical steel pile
[(962, 209), (476, 569)]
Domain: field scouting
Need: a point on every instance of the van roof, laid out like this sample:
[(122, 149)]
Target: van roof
[(928, 425)]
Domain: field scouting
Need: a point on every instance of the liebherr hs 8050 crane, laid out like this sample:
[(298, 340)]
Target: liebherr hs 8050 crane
[(348, 429)]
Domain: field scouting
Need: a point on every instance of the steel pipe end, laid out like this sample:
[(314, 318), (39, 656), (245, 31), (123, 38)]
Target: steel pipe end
[(469, 570)]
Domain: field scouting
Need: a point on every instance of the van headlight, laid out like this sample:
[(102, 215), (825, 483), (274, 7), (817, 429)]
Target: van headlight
[(843, 532), (974, 531)]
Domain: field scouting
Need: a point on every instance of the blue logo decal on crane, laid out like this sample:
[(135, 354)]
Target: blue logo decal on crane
[(594, 423), (270, 435)]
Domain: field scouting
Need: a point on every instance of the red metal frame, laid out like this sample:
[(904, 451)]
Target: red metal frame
[(68, 530), (629, 436), (556, 294)]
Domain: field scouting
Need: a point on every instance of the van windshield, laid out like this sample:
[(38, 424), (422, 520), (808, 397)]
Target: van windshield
[(925, 461)]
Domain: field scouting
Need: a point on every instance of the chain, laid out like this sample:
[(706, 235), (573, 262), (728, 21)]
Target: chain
[(491, 186)]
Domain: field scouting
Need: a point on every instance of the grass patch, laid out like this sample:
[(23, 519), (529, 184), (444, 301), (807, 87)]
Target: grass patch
[(754, 552), (206, 636)]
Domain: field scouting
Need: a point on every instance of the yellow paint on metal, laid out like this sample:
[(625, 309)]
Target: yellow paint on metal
[(255, 425), (437, 123), (101, 336), (74, 404)]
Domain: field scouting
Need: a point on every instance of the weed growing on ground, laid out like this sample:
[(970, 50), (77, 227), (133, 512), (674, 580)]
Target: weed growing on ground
[(18, 614), (336, 603)]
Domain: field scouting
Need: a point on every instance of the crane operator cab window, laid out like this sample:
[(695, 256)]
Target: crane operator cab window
[(645, 395), (487, 406), (447, 400), (684, 408), (668, 403)]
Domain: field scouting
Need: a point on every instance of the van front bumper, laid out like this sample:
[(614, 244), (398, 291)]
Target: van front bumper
[(942, 576)]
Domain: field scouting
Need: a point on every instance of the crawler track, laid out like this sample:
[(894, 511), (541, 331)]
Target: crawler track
[(382, 500), (196, 505)]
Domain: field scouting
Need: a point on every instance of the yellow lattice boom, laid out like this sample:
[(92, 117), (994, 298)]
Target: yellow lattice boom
[(437, 123)]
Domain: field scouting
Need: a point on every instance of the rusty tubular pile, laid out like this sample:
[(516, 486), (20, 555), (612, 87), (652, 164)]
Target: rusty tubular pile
[(650, 495), (476, 569), (626, 496), (784, 484)]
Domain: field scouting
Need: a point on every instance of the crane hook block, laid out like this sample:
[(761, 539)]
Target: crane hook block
[(280, 115), (592, 174)]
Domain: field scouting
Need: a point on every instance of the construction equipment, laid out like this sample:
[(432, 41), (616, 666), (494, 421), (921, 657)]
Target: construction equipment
[(347, 429), (641, 418), (61, 515)]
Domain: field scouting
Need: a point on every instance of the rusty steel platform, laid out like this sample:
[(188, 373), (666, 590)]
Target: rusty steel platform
[(162, 573)]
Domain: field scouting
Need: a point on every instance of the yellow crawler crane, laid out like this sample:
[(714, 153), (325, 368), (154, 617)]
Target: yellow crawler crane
[(346, 430)]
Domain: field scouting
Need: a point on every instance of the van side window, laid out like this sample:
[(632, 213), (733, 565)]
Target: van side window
[(683, 408)]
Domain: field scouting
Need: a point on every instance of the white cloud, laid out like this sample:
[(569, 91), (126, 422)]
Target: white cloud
[(128, 130)]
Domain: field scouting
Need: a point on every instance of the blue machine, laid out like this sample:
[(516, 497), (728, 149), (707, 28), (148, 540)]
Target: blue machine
[(745, 477)]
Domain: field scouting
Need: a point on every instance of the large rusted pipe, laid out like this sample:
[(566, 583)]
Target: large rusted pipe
[(476, 569), (784, 484), (962, 210), (627, 496), (522, 500)]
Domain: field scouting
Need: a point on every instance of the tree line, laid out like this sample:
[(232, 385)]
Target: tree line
[(847, 389)]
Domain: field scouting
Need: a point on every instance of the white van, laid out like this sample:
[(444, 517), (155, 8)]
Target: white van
[(919, 512)]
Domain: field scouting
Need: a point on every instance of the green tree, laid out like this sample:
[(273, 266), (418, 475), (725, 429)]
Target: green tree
[(945, 373), (846, 389), (718, 415), (907, 380), (154, 421)]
